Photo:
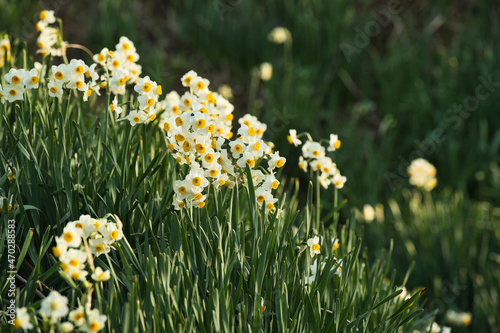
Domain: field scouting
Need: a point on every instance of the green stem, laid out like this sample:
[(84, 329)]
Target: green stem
[(335, 205), (318, 203)]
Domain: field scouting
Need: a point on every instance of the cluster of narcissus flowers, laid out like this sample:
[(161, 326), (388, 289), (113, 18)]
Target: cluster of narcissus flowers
[(17, 82), (315, 247), (121, 64), (75, 75), (53, 308), (99, 234), (314, 157), (50, 39), (422, 174), (4, 49), (79, 242), (148, 91), (198, 130)]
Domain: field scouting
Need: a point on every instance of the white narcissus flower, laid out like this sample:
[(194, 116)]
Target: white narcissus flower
[(266, 71), (292, 138), (280, 35), (67, 327), (72, 236), (334, 142), (95, 321), (22, 319), (314, 245), (368, 213), (100, 275), (54, 306), (114, 106), (13, 92), (422, 174)]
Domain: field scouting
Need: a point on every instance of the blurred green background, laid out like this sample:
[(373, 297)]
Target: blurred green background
[(423, 81)]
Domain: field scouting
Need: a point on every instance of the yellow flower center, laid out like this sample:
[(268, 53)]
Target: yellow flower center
[(200, 85), (166, 126), (175, 109), (115, 63), (200, 148), (68, 236), (73, 262), (213, 173), (197, 196), (209, 158), (59, 75), (251, 131), (182, 190), (150, 102), (99, 248), (201, 204), (275, 184), (43, 15), (196, 181), (78, 84), (79, 69), (53, 90), (260, 198), (34, 80), (187, 102), (101, 57), (337, 144), (56, 252), (79, 315), (316, 247), (178, 121), (12, 92), (16, 79), (316, 153), (137, 119), (94, 326), (201, 123), (270, 206), (114, 234), (188, 80), (238, 148), (186, 146), (279, 163), (152, 117)]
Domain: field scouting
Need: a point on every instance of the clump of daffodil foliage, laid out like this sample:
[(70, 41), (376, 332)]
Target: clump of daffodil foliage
[(199, 232)]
